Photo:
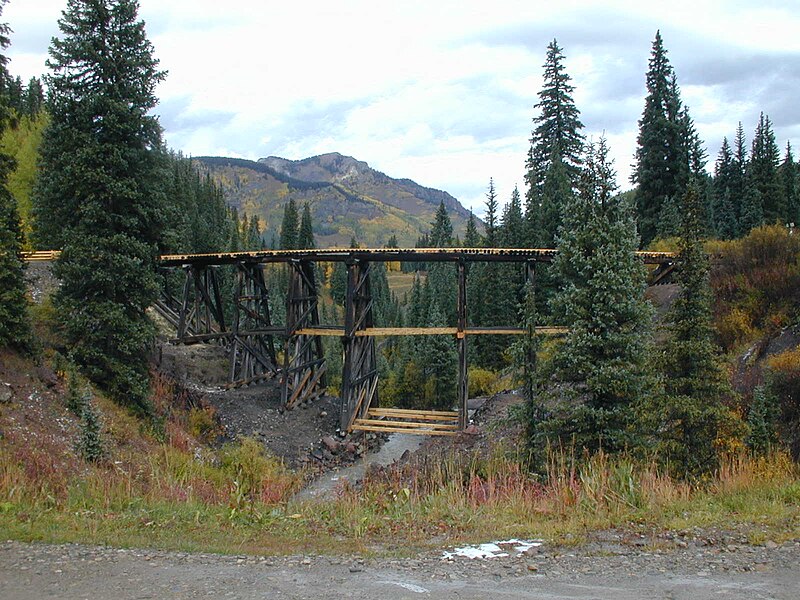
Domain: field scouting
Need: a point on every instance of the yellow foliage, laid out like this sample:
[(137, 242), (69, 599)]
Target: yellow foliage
[(735, 328), (786, 363), (482, 382)]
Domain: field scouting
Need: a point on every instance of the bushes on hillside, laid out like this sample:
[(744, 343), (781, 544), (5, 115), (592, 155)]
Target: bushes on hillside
[(756, 283)]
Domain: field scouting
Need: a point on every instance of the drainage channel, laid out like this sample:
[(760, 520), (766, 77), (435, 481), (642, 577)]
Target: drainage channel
[(325, 485)]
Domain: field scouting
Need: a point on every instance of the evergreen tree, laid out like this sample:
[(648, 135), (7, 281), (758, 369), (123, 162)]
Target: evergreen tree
[(726, 223), (738, 177), (789, 180), (34, 98), (442, 276), (472, 239), (99, 195), (605, 355), (763, 172), (441, 235), (15, 93), (491, 217), (696, 383), (752, 208), (437, 358), (289, 227), (14, 327), (513, 223), (91, 446), (253, 233), (662, 156), (554, 158), (305, 237)]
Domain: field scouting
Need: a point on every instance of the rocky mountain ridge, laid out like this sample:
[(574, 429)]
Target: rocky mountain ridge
[(347, 197)]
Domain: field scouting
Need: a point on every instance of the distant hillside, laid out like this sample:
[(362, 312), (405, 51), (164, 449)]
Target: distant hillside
[(346, 196)]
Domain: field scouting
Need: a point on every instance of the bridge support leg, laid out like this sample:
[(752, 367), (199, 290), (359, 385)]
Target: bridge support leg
[(360, 372), (303, 376), (252, 351), (461, 339), (529, 375), (201, 311)]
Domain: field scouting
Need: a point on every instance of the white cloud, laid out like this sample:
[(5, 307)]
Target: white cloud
[(441, 92)]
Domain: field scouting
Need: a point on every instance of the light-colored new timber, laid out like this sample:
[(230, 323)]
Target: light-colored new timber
[(401, 430), (407, 424)]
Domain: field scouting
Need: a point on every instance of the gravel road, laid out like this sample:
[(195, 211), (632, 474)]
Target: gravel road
[(37, 571)]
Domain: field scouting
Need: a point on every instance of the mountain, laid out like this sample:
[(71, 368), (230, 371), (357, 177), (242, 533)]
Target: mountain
[(347, 198)]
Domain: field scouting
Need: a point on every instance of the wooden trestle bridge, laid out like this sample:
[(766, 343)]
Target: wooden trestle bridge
[(198, 315)]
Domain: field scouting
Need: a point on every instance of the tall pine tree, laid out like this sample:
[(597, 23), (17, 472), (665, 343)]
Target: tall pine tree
[(662, 155), (305, 236), (14, 328), (726, 224), (789, 180), (696, 384), (554, 158), (290, 227), (99, 195), (604, 358), (763, 172)]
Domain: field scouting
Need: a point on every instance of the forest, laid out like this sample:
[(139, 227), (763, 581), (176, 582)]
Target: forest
[(86, 171)]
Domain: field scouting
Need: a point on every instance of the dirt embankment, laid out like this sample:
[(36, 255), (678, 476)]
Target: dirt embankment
[(305, 437)]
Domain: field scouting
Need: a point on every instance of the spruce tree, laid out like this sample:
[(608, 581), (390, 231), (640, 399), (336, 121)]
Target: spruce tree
[(763, 173), (491, 217), (725, 220), (305, 236), (662, 155), (739, 177), (99, 195), (554, 158), (14, 326), (604, 358), (472, 239), (289, 226), (696, 384), (442, 275), (512, 223), (34, 98), (789, 180)]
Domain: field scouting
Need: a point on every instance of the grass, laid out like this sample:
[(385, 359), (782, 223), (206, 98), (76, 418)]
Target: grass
[(239, 501), (161, 487)]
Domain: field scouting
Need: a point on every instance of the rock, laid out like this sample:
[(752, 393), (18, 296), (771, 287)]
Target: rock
[(324, 413), (771, 545), (532, 568), (350, 448), (47, 376), (472, 430), (6, 393), (331, 444)]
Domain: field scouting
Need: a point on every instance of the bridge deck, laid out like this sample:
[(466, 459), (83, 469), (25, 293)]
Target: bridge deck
[(365, 254)]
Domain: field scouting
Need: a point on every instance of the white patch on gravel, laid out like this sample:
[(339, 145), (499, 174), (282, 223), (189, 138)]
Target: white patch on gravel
[(492, 549), (409, 586)]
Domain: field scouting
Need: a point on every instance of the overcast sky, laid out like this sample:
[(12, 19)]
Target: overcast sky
[(442, 91)]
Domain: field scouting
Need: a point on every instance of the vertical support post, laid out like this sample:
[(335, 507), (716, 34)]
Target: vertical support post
[(303, 363), (220, 313), (530, 324), (187, 286), (461, 339), (348, 340), (360, 370)]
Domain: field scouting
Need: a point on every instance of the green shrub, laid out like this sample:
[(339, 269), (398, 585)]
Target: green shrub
[(482, 382)]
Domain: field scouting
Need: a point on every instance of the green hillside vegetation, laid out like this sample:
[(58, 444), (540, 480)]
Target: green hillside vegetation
[(22, 142)]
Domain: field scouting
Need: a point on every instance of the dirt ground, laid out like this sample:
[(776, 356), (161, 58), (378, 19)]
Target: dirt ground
[(305, 437), (38, 571)]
